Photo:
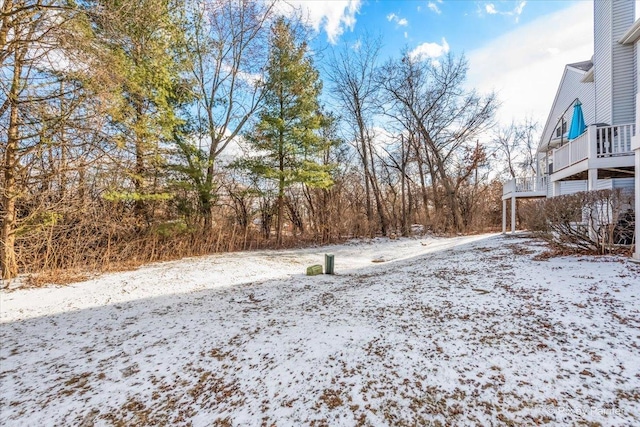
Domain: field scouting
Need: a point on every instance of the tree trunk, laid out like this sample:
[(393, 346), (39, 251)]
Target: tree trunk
[(384, 221), (367, 188), (281, 183), (410, 206), (8, 236), (364, 155), (425, 194), (205, 193), (139, 169), (280, 211), (404, 226), (453, 203), (367, 175)]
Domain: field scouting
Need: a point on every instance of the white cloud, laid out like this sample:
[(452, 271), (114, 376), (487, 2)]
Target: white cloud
[(402, 22), (515, 11), (434, 7), (331, 16), (525, 65), (519, 8), (406, 35), (429, 50)]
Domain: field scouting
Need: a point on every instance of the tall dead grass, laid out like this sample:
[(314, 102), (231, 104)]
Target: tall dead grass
[(70, 239), (100, 239)]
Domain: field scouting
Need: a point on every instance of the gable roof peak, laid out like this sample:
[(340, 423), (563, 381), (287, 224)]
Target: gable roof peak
[(582, 65)]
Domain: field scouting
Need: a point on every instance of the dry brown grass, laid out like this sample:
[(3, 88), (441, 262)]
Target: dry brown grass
[(56, 277), (78, 246), (69, 239)]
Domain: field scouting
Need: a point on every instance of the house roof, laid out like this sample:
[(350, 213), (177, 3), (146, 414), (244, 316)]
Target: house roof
[(588, 77), (632, 33), (583, 65)]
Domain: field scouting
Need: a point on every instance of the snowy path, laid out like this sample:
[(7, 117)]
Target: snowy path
[(460, 331), (210, 272)]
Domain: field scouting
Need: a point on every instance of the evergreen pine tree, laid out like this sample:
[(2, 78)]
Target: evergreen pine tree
[(286, 138)]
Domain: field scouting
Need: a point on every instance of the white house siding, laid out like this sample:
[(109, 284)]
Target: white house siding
[(570, 187), (624, 70), (636, 189), (611, 183), (604, 184), (570, 88), (627, 184), (636, 47), (602, 58), (614, 64)]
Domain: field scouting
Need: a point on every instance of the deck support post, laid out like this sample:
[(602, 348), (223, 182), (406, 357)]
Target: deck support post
[(592, 182), (513, 214), (504, 216), (555, 189), (592, 141), (636, 252), (592, 185), (635, 146)]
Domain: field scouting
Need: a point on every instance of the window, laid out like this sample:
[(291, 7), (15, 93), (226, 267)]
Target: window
[(561, 129)]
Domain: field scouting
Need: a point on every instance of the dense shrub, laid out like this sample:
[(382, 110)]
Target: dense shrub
[(593, 221)]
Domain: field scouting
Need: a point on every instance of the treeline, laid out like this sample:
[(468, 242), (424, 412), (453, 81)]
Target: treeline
[(154, 129)]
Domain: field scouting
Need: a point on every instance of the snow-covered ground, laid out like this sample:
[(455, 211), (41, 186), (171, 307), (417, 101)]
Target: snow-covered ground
[(470, 330)]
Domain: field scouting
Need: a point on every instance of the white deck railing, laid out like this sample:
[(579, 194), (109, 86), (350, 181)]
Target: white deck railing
[(534, 183), (509, 187), (525, 185), (573, 152), (596, 142), (614, 140)]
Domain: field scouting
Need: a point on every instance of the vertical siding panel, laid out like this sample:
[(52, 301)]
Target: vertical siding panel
[(602, 16), (623, 82), (614, 63)]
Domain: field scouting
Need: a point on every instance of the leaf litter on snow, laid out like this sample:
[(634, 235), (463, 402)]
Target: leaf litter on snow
[(469, 330)]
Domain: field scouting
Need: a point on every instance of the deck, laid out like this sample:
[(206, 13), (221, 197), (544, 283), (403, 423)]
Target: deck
[(525, 187), (599, 147)]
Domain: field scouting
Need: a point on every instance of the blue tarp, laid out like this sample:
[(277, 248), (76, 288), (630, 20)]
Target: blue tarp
[(577, 122)]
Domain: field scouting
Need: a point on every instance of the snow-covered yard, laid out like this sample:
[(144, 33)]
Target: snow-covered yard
[(470, 330)]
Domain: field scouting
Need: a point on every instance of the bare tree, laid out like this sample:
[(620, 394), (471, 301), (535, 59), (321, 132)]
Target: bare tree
[(431, 97), (352, 71), (229, 42), (515, 144), (507, 140), (399, 160), (529, 129)]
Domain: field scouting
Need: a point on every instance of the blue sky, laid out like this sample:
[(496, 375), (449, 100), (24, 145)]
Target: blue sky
[(465, 25), (517, 48)]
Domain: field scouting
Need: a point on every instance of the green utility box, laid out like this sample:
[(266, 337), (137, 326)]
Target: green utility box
[(328, 264), (314, 270)]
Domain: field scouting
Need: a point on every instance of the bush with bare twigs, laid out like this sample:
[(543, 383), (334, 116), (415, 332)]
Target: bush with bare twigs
[(593, 221)]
